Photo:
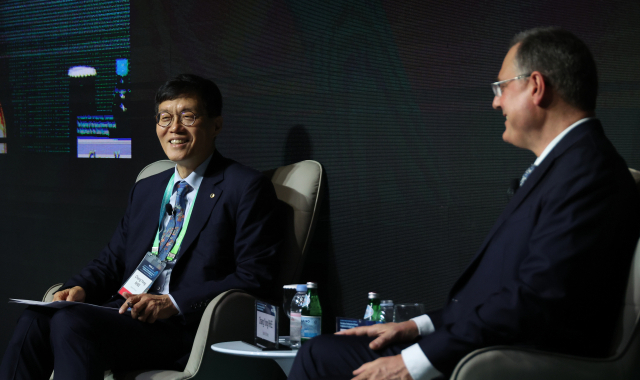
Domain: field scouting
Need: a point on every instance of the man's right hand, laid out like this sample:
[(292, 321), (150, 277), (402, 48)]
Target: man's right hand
[(386, 333), (75, 294)]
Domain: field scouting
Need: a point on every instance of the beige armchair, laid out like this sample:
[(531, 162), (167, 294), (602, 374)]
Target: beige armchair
[(507, 362), (229, 316)]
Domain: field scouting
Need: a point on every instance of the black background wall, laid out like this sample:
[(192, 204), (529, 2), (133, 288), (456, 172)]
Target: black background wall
[(392, 97)]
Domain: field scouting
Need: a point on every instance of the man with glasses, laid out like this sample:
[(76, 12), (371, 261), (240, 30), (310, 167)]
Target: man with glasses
[(210, 225), (551, 273)]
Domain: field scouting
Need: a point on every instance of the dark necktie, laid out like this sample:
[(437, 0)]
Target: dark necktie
[(172, 230)]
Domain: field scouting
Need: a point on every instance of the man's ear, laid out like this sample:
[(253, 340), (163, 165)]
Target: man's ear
[(540, 92), (217, 124)]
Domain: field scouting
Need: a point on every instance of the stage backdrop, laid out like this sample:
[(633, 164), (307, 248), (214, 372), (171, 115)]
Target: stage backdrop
[(393, 98)]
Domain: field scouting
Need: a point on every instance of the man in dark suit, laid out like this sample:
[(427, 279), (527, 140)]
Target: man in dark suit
[(221, 232), (552, 271)]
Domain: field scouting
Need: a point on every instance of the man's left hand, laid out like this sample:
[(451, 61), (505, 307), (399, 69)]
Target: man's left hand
[(148, 307), (386, 368)]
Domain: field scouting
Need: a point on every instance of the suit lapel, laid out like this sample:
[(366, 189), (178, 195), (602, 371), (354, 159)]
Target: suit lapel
[(531, 183), (208, 195), (153, 191), (155, 200)]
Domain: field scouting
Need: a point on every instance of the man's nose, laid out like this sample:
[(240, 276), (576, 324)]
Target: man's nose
[(175, 125), (496, 102)]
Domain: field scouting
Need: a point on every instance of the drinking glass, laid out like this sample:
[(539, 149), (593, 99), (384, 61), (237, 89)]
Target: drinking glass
[(288, 291), (405, 311)]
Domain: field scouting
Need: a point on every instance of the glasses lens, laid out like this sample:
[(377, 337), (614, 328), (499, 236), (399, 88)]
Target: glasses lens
[(187, 118), (164, 119), (496, 89)]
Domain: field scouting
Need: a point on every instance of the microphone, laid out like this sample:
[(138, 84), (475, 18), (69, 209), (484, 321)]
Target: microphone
[(168, 208)]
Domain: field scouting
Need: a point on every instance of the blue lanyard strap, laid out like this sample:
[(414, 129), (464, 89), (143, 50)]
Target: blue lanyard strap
[(166, 198)]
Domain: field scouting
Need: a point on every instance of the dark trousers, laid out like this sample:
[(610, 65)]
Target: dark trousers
[(82, 342), (336, 357)]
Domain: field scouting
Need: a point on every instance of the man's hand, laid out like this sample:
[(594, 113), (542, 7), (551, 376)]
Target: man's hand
[(386, 333), (75, 294), (148, 307), (387, 368)]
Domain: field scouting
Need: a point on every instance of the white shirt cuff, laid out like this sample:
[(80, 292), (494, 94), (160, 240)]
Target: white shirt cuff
[(419, 366), (425, 325), (174, 303)]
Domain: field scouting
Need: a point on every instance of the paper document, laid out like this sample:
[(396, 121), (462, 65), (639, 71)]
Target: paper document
[(56, 304)]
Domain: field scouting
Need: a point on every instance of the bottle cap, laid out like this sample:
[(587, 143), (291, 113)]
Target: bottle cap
[(373, 295), (312, 285), (301, 288)]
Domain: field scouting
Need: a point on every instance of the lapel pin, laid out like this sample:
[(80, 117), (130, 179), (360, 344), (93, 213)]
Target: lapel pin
[(212, 195)]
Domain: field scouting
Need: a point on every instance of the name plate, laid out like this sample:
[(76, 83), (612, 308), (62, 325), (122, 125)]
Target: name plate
[(266, 336), (349, 323)]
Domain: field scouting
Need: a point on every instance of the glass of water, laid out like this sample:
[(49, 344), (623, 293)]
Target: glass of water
[(405, 311), (288, 291)]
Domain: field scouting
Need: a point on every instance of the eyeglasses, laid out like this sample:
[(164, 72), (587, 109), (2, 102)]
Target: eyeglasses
[(498, 86), (165, 119)]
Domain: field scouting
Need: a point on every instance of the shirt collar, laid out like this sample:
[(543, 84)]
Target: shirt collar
[(195, 178), (555, 141)]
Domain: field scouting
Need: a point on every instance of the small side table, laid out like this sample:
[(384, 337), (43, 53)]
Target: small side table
[(238, 348)]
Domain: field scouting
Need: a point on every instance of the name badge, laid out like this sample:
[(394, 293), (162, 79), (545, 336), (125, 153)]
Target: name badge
[(145, 274)]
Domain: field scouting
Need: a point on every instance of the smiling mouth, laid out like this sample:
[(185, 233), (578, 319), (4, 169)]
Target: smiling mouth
[(177, 141)]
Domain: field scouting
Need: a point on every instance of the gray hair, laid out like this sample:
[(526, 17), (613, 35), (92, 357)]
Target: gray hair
[(564, 61)]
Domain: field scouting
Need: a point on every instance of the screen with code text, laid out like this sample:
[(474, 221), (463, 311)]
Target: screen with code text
[(65, 78)]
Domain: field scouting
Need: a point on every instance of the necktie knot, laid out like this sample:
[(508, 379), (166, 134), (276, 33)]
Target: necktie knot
[(183, 187), (527, 173)]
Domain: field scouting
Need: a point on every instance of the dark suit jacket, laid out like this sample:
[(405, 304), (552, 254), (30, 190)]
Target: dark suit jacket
[(231, 242), (551, 273)]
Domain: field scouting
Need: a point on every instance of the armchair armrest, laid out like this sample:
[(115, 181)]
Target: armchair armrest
[(505, 362), (228, 317), (48, 296)]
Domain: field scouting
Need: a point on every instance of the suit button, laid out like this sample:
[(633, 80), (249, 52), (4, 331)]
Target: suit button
[(454, 300)]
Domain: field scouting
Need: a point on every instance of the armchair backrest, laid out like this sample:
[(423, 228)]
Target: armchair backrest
[(630, 315), (155, 168), (636, 175), (631, 307), (299, 186)]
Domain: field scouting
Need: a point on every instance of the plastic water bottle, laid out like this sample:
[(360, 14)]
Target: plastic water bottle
[(311, 312), (296, 309), (372, 313), (386, 311)]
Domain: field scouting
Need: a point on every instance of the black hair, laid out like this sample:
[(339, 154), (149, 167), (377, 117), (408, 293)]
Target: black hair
[(189, 84)]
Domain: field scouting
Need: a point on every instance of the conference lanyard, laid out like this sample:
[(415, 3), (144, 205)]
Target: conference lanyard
[(171, 255)]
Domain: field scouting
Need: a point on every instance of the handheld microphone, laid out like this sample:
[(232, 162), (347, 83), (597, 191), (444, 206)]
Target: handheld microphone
[(168, 208)]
